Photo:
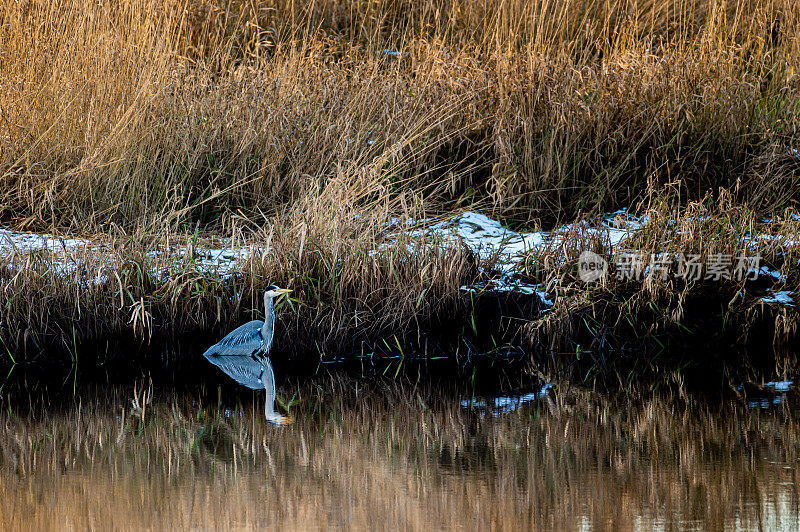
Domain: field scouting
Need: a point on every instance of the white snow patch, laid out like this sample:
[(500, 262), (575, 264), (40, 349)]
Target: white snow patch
[(223, 262), (484, 236), (488, 239), (19, 242), (769, 272), (777, 239), (68, 254), (782, 297)]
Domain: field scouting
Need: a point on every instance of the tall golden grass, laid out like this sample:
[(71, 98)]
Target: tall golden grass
[(140, 120), (159, 111)]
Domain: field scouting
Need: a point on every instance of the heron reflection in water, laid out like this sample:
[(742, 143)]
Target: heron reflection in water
[(244, 355)]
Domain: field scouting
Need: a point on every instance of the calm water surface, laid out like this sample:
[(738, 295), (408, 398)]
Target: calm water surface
[(369, 456)]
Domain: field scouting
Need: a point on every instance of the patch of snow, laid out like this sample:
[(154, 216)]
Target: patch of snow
[(488, 239), (782, 297), (15, 241), (484, 236), (223, 262), (777, 239), (769, 272), (621, 225), (68, 254)]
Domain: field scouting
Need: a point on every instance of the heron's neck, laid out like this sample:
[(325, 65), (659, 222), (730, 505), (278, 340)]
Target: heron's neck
[(268, 329), (269, 409)]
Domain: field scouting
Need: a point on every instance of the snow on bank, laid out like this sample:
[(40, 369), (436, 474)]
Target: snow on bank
[(486, 237), (68, 254), (223, 262), (11, 241), (783, 298), (489, 240), (483, 235)]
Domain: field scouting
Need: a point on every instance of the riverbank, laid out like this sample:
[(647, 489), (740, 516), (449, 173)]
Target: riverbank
[(457, 287)]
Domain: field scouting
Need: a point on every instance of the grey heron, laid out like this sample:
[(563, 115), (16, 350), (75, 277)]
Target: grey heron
[(244, 355)]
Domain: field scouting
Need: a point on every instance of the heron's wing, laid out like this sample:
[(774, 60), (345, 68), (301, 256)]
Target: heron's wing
[(268, 380), (239, 355), (243, 340)]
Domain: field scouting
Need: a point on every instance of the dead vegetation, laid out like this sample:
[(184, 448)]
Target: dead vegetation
[(690, 287), (305, 127)]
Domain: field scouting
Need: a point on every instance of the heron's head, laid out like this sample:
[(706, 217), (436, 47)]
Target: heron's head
[(275, 291), (277, 419)]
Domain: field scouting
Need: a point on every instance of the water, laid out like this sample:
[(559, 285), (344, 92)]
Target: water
[(370, 455)]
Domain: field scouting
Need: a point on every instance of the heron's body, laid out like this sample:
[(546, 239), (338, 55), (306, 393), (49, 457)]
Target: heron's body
[(244, 355), (230, 354)]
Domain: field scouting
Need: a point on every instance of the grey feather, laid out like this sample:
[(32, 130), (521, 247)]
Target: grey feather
[(243, 340)]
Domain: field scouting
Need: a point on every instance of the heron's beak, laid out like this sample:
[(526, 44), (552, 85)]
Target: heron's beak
[(282, 421), (283, 291)]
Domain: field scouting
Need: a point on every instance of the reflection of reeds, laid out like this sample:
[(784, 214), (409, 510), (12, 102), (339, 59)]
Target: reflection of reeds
[(399, 459)]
